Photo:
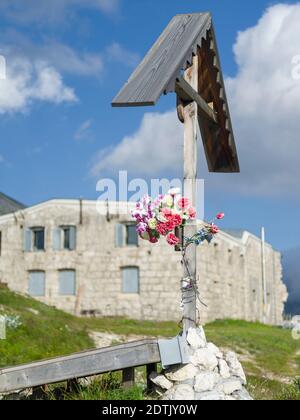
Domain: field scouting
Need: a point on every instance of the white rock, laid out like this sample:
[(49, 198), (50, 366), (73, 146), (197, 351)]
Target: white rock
[(224, 369), (229, 386), (180, 393), (206, 381), (211, 396), (181, 373), (205, 358), (235, 366), (217, 352), (230, 398), (161, 381), (195, 338)]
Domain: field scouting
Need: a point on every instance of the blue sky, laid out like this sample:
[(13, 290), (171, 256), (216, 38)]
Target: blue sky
[(52, 139)]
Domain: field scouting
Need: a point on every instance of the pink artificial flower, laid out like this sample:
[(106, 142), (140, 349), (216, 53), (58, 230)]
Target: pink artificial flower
[(161, 229), (192, 213), (220, 216), (172, 239), (177, 219), (166, 212), (170, 224), (214, 229), (183, 203)]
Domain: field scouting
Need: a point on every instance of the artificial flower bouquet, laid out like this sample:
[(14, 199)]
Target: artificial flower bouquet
[(161, 217)]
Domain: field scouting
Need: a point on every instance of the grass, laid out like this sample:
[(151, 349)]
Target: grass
[(269, 355), (46, 334)]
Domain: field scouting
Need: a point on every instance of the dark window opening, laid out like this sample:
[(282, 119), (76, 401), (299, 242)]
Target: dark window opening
[(38, 239)]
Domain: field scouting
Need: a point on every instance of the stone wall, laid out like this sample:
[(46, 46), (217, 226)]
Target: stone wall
[(230, 279)]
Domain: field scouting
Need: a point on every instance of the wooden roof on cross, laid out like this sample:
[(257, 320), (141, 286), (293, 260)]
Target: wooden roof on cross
[(161, 71)]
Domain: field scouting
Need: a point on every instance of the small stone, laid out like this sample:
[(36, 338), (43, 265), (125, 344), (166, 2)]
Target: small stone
[(210, 396), (161, 381), (235, 366), (206, 381), (224, 369), (205, 358), (181, 373), (229, 398), (180, 393), (242, 395), (195, 339), (217, 352), (229, 386)]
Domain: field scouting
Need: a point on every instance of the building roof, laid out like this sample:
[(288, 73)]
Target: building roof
[(237, 233), (9, 205), (187, 35)]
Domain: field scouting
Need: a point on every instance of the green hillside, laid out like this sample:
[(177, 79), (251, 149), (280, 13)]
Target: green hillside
[(269, 355)]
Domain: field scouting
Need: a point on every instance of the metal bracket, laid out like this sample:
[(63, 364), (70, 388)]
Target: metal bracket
[(174, 351)]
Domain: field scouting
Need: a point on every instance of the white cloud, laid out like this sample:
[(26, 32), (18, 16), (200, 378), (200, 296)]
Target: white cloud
[(84, 131), (28, 81), (120, 54), (61, 56), (54, 11), (264, 100), (154, 148)]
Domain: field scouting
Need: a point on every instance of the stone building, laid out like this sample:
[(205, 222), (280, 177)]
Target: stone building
[(85, 258)]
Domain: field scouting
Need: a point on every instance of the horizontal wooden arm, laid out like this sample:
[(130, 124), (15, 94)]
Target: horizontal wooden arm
[(186, 93)]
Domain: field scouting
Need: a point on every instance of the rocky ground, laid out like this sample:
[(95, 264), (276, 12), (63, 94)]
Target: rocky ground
[(210, 375)]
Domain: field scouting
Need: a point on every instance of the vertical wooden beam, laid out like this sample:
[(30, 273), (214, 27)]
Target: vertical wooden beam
[(150, 369), (72, 386), (128, 377), (190, 117)]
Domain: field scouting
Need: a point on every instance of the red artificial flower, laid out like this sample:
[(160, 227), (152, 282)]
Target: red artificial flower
[(172, 239), (177, 219), (183, 203), (214, 229), (170, 224), (162, 229), (220, 216)]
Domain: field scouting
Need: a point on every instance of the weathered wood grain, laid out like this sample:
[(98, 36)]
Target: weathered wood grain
[(190, 175), (158, 71), (187, 93), (79, 365)]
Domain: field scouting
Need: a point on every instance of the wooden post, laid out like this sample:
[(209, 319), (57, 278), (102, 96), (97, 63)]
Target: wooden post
[(150, 369), (128, 377), (188, 114)]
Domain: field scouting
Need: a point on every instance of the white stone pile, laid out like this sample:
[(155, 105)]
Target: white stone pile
[(210, 375)]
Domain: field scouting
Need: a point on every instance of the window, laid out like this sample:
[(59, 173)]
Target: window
[(131, 280), (37, 283), (38, 239), (67, 283), (126, 235), (64, 238), (34, 239), (131, 235)]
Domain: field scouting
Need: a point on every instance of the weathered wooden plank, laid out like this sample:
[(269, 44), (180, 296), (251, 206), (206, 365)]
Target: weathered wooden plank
[(158, 71), (79, 365), (187, 93), (190, 175)]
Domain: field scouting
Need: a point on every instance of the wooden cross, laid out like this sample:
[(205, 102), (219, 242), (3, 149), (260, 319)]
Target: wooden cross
[(188, 44)]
